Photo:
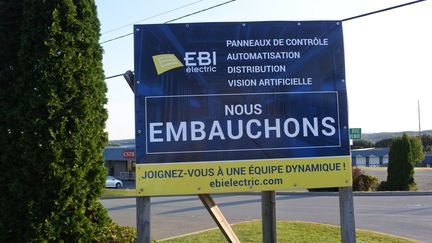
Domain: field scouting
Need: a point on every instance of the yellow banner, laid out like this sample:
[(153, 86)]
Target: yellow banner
[(242, 176)]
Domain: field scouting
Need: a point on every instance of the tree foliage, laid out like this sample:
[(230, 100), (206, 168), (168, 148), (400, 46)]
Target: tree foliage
[(52, 126), (417, 149), (427, 142), (425, 139), (384, 143), (362, 144), (400, 170)]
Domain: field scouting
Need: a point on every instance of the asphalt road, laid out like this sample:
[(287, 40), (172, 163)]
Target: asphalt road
[(407, 216)]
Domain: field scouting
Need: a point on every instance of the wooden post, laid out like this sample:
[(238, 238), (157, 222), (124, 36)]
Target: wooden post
[(142, 203), (218, 217), (143, 219), (346, 210), (268, 214)]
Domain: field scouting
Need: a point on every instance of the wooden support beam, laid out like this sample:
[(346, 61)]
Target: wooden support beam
[(346, 211), (219, 218), (268, 214), (142, 203), (143, 219)]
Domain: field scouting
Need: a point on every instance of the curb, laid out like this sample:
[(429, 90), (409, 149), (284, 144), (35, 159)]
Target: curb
[(361, 194), (355, 194)]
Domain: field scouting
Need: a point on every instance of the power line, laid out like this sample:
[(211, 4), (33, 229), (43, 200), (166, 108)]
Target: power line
[(381, 10), (116, 38), (154, 16), (200, 11), (215, 6), (184, 16)]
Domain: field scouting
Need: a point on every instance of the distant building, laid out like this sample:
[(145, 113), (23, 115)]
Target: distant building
[(427, 162), (378, 157), (370, 157), (120, 161)]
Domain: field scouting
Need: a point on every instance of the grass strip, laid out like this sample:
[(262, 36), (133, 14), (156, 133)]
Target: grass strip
[(118, 192), (287, 231)]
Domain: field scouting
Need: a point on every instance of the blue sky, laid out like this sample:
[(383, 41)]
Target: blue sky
[(388, 56)]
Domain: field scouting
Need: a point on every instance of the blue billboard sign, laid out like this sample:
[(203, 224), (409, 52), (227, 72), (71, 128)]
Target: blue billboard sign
[(232, 91), (236, 91)]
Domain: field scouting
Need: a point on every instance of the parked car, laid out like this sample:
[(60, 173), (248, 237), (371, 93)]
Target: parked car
[(111, 181)]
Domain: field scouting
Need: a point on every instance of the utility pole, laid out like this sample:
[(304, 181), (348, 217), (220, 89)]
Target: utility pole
[(418, 106)]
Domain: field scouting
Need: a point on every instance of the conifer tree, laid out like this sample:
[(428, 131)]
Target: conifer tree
[(400, 170), (52, 137), (11, 203)]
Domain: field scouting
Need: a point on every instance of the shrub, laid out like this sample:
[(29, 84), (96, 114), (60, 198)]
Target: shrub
[(356, 172), (117, 234), (361, 182), (365, 183), (383, 186)]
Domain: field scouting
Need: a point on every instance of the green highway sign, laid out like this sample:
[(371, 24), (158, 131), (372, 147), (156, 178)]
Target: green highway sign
[(355, 133)]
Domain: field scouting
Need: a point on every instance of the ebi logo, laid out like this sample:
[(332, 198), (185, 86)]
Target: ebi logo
[(195, 62), (200, 62), (166, 62)]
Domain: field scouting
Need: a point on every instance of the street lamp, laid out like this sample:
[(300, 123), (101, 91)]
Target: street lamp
[(130, 79), (128, 76)]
